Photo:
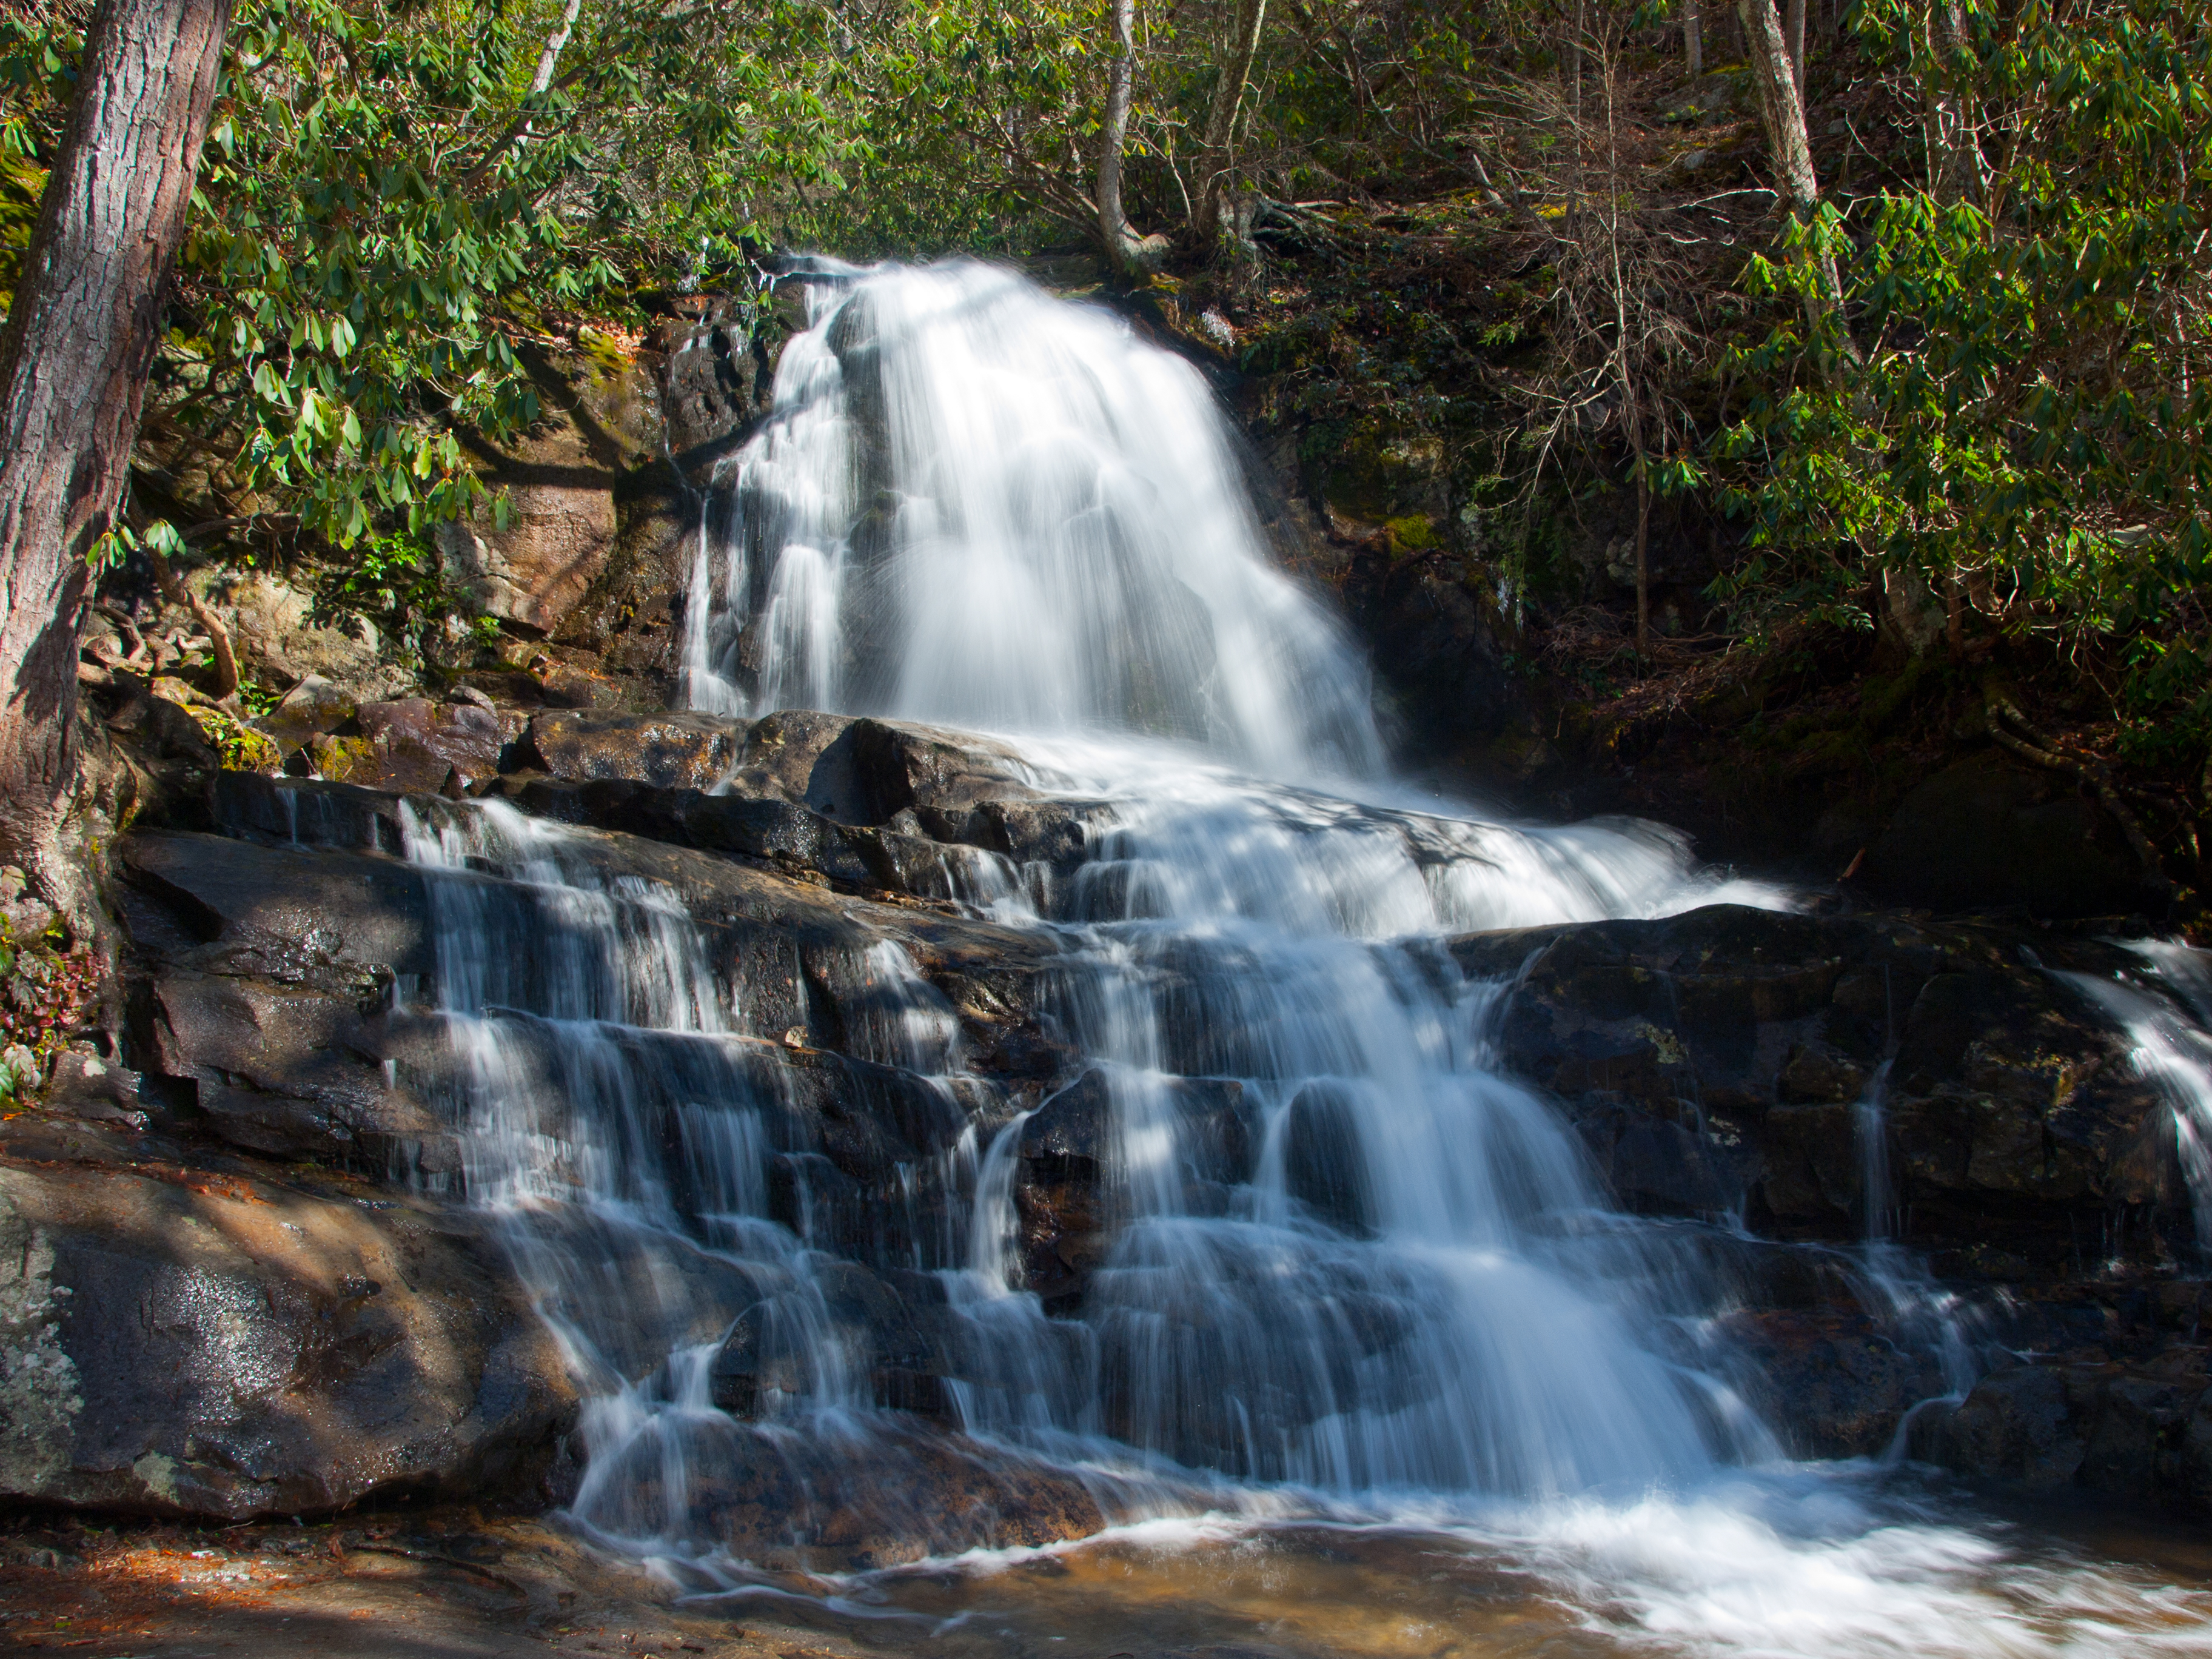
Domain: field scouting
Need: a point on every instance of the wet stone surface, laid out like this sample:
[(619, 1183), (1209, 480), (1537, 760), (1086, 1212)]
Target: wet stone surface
[(292, 1021)]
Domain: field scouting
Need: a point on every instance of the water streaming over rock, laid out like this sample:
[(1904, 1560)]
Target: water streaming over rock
[(1276, 1235), (2167, 1014), (1919, 1312), (975, 504)]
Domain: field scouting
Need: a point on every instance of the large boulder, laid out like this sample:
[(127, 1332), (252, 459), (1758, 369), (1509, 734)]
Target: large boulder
[(789, 1501), (2140, 1431), (710, 367), (1734, 1061), (883, 805), (1831, 1381), (898, 1333), (715, 372), (1069, 1191), (413, 744), (600, 421), (267, 940), (176, 1344), (295, 1071), (677, 750), (281, 638), (1990, 831)]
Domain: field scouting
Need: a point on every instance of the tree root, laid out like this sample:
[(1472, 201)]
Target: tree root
[(2039, 750), (226, 658)]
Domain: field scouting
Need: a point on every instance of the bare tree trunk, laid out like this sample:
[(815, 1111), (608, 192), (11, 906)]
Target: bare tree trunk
[(1793, 28), (73, 363), (1239, 48), (1643, 546), (1957, 169), (1789, 146), (1693, 40), (1122, 244), (556, 42)]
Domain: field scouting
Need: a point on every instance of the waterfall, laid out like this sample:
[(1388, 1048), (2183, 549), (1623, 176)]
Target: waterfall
[(975, 505), (1331, 1260), (1345, 1254), (2166, 1016), (1904, 1295)]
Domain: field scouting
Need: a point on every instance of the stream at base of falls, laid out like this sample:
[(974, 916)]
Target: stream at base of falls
[(1795, 1563), (1371, 1366)]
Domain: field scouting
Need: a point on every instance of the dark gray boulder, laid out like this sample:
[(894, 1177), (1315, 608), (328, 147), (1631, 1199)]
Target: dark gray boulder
[(1712, 1062), (1990, 831), (223, 1347)]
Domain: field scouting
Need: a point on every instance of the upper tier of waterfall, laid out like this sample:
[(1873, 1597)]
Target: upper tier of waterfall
[(977, 505)]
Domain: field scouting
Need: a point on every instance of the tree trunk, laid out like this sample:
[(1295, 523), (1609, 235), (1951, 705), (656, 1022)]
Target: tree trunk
[(1694, 40), (1957, 169), (548, 59), (1789, 146), (1794, 27), (1643, 558), (73, 363), (1238, 49), (1122, 243)]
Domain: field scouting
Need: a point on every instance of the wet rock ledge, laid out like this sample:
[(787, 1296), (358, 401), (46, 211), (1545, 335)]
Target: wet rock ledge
[(237, 1276)]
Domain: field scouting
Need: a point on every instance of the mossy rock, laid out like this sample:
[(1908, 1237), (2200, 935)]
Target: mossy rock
[(339, 759), (1415, 532), (1820, 753), (244, 749), (1378, 476), (1883, 696)]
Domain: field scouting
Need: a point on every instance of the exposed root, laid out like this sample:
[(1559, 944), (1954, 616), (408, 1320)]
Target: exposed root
[(177, 593), (2039, 750)]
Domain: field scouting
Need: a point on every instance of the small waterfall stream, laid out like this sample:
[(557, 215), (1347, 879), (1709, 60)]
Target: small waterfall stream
[(2167, 1016), (1356, 1272), (1919, 1312)]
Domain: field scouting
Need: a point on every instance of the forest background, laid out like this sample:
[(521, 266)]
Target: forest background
[(1898, 308)]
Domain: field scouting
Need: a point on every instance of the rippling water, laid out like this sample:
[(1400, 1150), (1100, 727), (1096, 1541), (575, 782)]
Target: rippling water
[(1815, 1562)]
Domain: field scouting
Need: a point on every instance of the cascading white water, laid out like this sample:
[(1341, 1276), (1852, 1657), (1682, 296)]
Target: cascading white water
[(1355, 1268), (2167, 1019), (1917, 1309), (975, 504)]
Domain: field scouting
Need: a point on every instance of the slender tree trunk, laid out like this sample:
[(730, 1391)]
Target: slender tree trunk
[(1957, 169), (1642, 552), (1238, 49), (73, 363), (1631, 407), (1694, 40), (1788, 145), (554, 43), (1113, 230), (1794, 27)]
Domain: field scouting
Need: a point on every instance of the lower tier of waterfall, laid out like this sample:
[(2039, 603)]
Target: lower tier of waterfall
[(1117, 1149), (1337, 1249)]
